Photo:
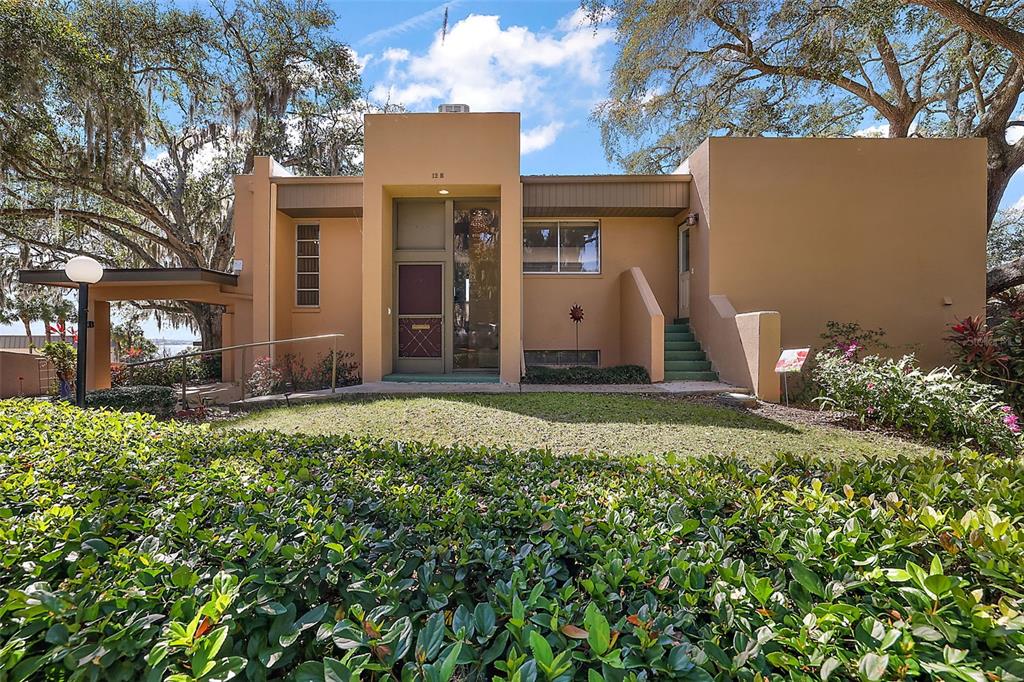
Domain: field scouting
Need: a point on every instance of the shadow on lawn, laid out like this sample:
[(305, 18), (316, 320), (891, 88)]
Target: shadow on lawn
[(583, 408)]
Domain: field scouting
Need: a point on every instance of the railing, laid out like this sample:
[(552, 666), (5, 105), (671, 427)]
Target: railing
[(183, 357)]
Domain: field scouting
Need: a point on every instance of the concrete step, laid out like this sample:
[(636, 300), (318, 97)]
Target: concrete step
[(671, 355), (671, 336), (691, 376), (677, 329), (687, 366), (681, 345)]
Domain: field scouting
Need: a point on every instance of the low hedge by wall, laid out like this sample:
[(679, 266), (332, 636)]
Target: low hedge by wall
[(620, 374), (155, 400)]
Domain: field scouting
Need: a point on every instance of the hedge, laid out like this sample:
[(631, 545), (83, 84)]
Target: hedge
[(620, 374), (132, 549), (156, 400)]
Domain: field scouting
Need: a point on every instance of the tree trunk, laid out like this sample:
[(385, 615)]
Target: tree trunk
[(1002, 164), (1004, 276), (28, 329), (209, 319)]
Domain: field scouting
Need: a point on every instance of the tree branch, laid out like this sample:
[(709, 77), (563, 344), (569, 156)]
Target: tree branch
[(975, 22)]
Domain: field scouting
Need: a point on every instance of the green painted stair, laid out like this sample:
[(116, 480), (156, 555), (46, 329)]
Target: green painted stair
[(684, 359)]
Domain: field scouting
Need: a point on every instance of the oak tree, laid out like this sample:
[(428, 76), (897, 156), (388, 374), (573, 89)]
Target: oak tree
[(122, 124), (687, 69)]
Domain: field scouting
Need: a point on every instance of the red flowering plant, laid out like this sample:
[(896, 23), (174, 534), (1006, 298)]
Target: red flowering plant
[(994, 351)]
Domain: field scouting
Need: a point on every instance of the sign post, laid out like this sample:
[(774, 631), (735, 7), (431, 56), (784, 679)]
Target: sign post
[(791, 360)]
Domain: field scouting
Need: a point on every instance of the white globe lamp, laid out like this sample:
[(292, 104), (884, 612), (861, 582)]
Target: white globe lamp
[(83, 271)]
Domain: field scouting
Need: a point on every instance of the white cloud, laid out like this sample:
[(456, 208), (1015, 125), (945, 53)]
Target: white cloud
[(539, 137), (395, 55), (880, 130), (494, 68), (361, 60), (1019, 206), (1014, 134), (580, 19)]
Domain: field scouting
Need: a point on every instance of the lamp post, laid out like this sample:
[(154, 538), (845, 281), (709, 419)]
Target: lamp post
[(83, 271)]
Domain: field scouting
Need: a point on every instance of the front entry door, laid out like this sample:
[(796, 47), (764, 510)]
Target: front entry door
[(420, 342), (684, 271)]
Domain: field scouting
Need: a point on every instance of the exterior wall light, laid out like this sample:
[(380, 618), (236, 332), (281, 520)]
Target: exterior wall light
[(83, 271), (691, 219), (442, 191)]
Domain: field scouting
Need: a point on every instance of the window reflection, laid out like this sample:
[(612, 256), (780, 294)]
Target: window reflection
[(477, 285), (562, 246)]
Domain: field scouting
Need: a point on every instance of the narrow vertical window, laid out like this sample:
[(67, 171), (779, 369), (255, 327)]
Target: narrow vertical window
[(307, 265)]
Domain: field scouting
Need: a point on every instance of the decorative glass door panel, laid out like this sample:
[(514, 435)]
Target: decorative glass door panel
[(477, 279), (420, 312)]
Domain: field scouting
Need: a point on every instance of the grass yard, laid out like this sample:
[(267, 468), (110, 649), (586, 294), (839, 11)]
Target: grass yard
[(568, 423)]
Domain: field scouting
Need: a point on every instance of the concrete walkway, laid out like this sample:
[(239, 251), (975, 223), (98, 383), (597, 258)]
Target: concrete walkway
[(414, 388)]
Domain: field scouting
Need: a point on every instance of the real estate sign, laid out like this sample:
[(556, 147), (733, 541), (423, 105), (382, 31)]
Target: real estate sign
[(791, 360)]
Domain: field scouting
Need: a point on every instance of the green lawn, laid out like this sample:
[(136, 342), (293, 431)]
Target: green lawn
[(569, 423)]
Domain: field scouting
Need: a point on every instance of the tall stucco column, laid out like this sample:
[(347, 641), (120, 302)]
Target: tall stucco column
[(259, 271), (98, 353), (375, 307), (227, 338), (511, 282)]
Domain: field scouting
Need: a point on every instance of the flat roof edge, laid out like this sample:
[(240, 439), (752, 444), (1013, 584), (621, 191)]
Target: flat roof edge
[(317, 179), (132, 275), (554, 179)]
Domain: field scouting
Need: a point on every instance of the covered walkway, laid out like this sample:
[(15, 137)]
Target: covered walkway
[(198, 285)]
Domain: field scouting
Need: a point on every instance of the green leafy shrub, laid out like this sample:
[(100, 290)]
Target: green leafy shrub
[(155, 400), (197, 369), (620, 374), (144, 550), (940, 404), (64, 357)]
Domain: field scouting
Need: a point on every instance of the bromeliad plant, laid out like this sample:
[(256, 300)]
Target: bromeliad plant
[(132, 549)]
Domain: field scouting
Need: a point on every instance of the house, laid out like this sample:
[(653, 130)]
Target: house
[(443, 261)]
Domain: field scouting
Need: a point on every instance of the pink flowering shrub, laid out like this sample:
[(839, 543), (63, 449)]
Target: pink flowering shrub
[(949, 408), (263, 378), (1011, 419)]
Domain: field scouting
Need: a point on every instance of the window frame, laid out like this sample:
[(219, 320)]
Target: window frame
[(558, 246), (298, 274)]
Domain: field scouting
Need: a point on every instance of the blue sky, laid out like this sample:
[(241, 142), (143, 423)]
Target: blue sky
[(538, 57)]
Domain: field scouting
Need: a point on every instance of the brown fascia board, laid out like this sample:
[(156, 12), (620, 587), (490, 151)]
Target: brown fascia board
[(317, 179), (133, 276), (561, 179)]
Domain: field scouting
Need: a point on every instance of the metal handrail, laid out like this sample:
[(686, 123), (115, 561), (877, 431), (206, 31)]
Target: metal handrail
[(242, 346)]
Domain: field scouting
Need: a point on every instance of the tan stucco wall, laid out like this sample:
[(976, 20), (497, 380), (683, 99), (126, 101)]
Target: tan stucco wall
[(97, 373), (872, 231), (340, 288), (642, 325), (410, 155), (19, 374), (648, 243)]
